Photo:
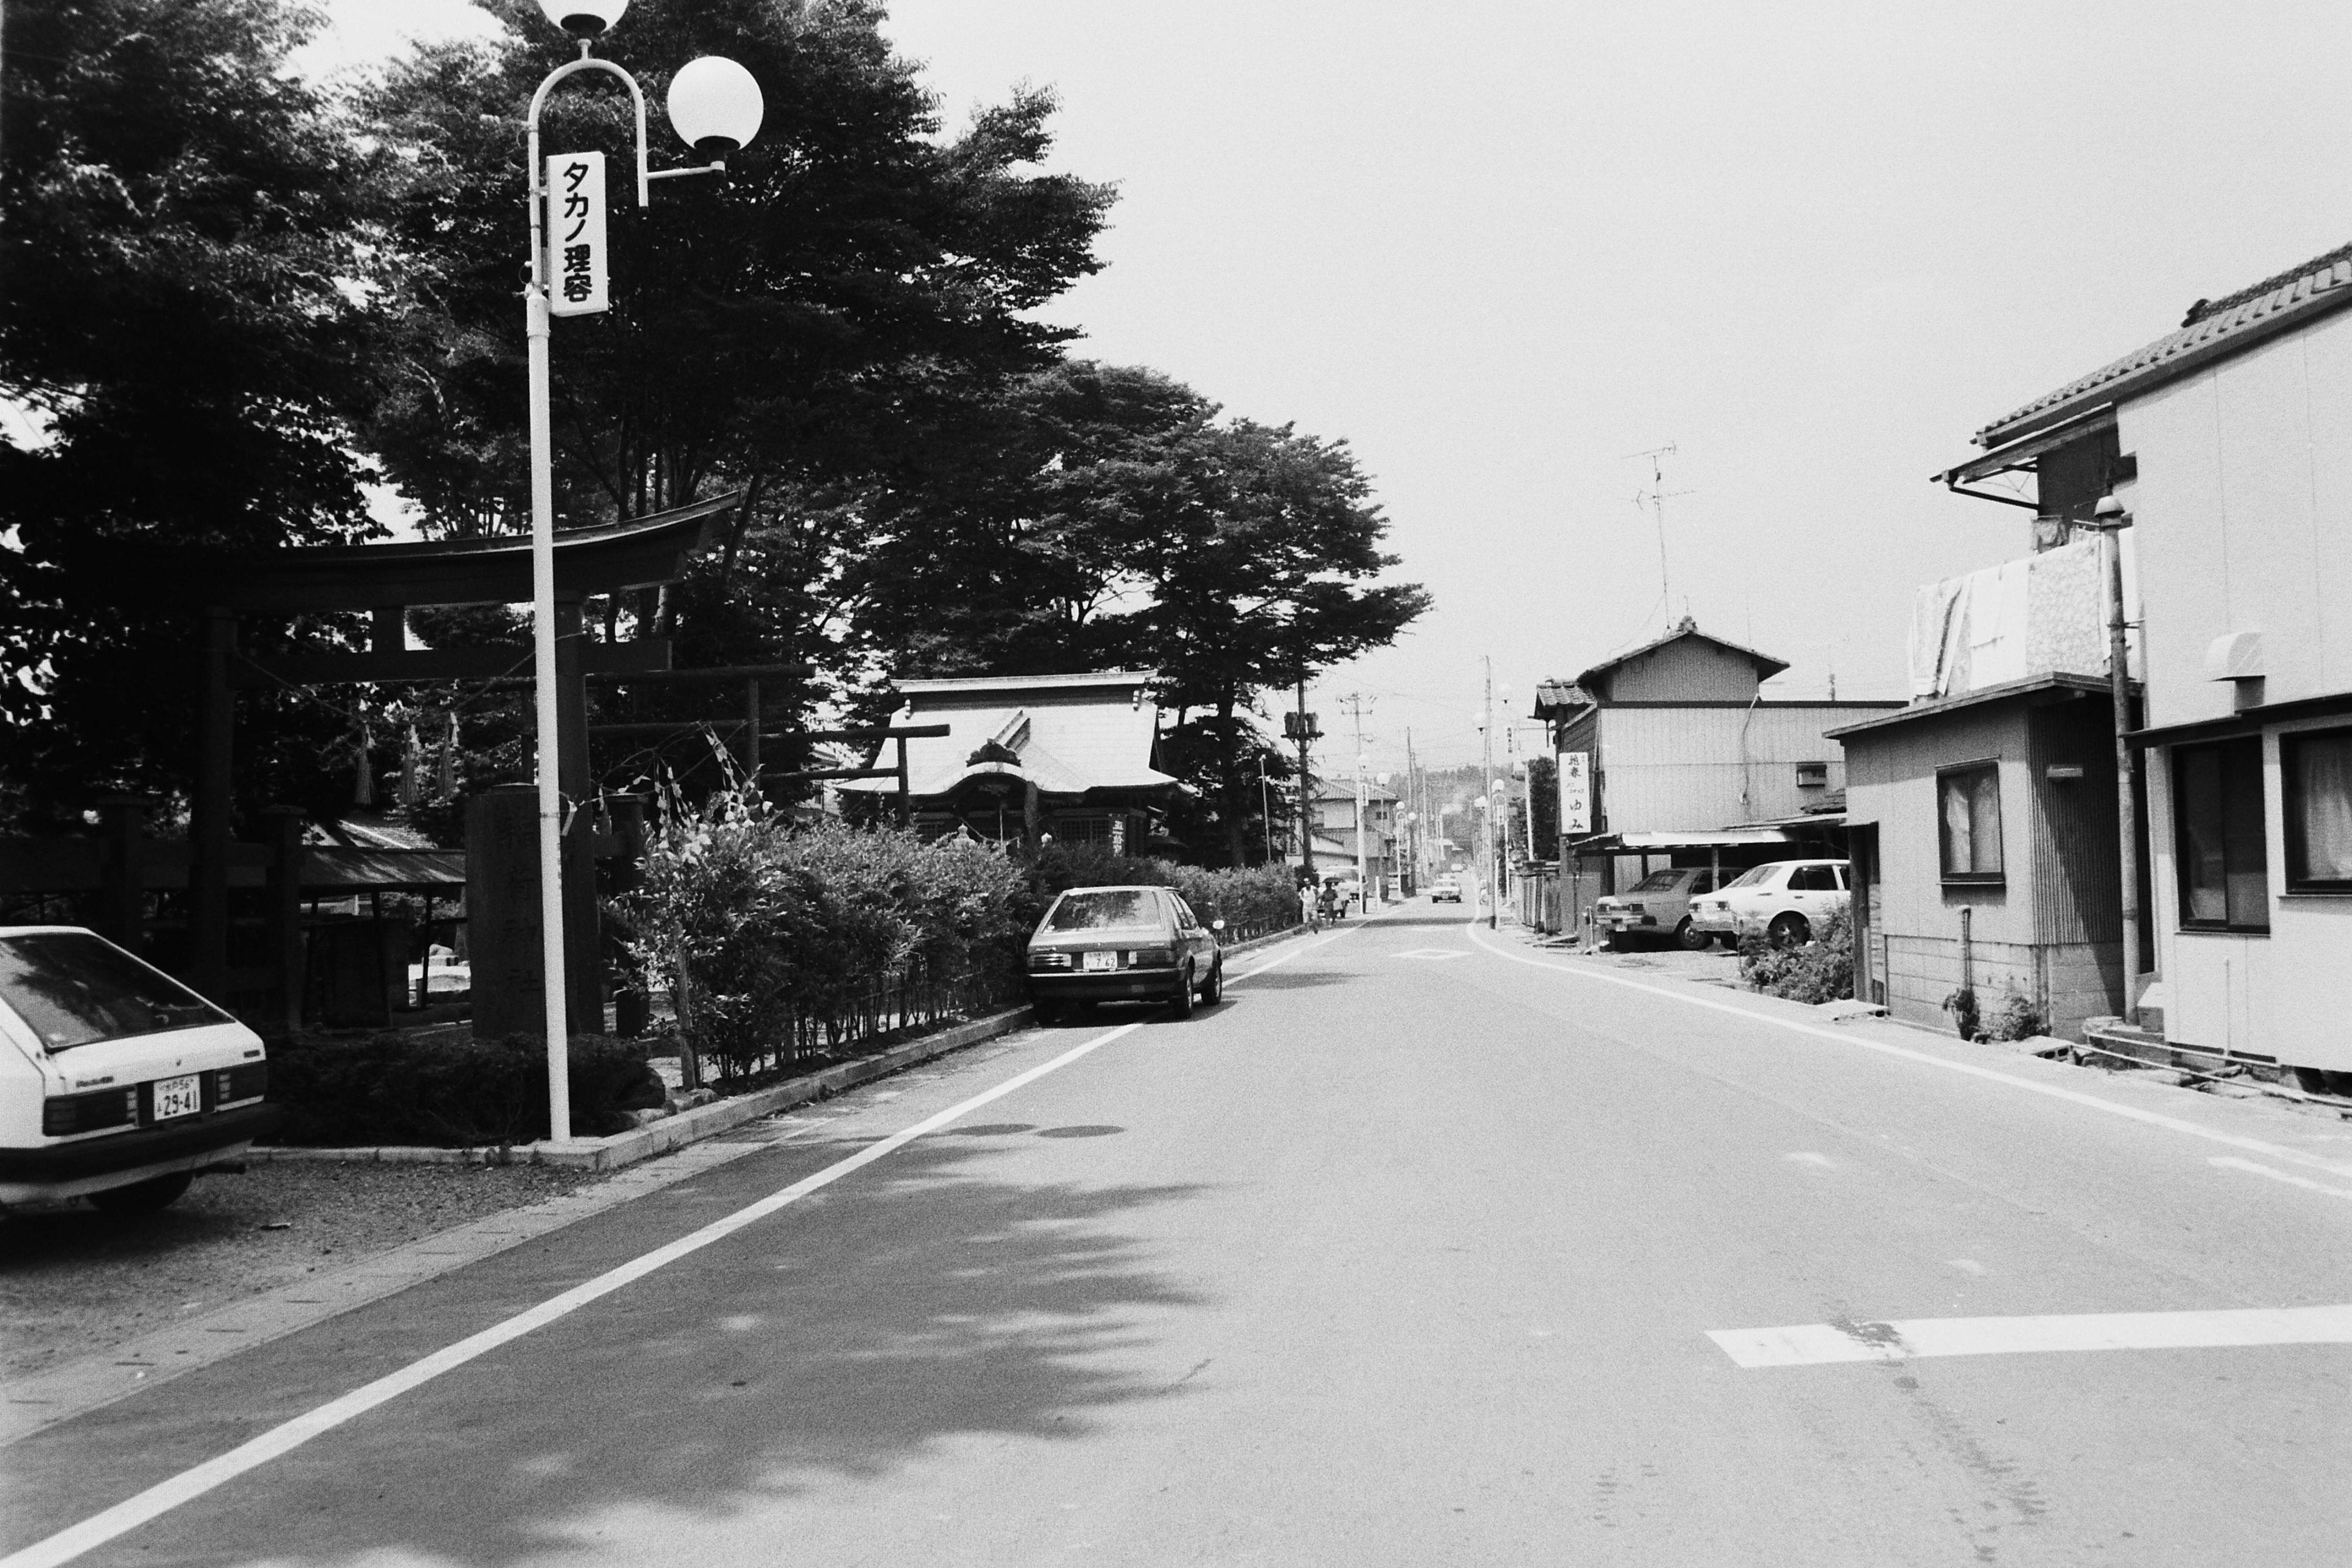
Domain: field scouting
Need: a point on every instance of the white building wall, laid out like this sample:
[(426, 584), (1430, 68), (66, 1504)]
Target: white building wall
[(1683, 768), (2243, 521)]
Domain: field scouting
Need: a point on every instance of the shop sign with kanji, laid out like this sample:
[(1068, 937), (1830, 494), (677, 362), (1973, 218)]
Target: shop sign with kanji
[(576, 262)]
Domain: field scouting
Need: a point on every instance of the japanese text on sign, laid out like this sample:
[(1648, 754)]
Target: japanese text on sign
[(1575, 792), (576, 271)]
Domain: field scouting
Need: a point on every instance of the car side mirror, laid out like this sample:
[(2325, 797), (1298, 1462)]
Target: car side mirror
[(1216, 925)]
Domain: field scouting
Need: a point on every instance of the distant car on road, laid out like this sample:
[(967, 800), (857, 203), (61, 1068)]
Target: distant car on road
[(1779, 900), (1657, 905), (1123, 944), (1446, 889), (118, 1084)]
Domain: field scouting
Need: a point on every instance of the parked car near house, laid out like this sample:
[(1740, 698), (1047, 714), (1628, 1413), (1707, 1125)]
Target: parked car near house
[(1780, 901), (118, 1084), (1658, 905), (1123, 944)]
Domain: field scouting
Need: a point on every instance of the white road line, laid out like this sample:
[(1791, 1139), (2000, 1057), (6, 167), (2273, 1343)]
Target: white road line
[(188, 1484), (1815, 1344), (1861, 1042), (2232, 1162)]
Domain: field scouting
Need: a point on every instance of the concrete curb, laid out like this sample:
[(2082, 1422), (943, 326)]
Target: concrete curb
[(621, 1149)]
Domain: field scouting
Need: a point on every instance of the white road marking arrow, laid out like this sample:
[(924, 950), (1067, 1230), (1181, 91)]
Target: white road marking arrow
[(1435, 953)]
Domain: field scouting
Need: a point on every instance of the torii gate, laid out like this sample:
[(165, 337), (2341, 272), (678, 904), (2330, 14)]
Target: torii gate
[(387, 580)]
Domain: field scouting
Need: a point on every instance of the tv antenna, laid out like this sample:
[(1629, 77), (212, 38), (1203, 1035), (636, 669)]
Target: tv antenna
[(1655, 498)]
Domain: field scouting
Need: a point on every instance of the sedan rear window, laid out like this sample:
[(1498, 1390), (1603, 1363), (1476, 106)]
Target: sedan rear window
[(1761, 875), (1661, 882), (1105, 910), (76, 990)]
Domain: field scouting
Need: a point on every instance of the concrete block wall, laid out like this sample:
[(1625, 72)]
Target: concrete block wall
[(2070, 983)]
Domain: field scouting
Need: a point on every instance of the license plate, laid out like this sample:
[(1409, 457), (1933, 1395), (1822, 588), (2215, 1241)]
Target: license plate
[(1096, 962), (178, 1097)]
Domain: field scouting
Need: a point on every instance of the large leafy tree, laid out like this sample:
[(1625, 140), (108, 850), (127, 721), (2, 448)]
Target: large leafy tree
[(183, 231), (1113, 519), (1269, 575), (844, 309)]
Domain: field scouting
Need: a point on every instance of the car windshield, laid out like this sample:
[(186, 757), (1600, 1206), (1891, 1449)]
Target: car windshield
[(76, 990), (1750, 879), (1661, 882), (1105, 909)]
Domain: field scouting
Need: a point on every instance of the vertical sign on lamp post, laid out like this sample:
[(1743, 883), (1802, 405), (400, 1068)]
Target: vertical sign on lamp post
[(576, 259)]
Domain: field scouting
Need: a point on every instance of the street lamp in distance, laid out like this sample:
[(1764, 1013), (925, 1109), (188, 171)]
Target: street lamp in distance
[(716, 108)]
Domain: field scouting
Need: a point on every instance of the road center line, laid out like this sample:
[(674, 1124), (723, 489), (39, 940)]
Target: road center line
[(1861, 1042), (1816, 1344), (188, 1484)]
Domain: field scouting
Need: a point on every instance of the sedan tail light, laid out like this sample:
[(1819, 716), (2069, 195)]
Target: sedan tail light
[(1049, 961), (63, 1115), (1152, 958)]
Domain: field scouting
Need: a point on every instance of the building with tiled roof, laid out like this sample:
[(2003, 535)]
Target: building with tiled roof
[(1029, 756), (2227, 443)]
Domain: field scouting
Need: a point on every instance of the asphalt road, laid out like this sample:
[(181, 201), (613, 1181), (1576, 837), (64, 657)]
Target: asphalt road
[(1409, 1252)]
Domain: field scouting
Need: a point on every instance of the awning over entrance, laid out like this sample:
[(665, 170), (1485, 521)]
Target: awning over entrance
[(1671, 842)]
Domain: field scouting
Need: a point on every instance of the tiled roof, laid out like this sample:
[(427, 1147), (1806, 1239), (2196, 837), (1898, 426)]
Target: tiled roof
[(1064, 748), (1766, 666), (2213, 328)]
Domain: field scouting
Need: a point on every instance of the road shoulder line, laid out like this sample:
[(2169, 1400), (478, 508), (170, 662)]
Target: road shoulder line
[(1848, 1036)]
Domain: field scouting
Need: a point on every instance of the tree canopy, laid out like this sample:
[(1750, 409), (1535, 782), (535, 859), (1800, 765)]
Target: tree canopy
[(234, 298)]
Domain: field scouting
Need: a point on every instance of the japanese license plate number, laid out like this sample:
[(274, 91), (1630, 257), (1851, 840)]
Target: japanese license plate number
[(178, 1097), (1096, 962)]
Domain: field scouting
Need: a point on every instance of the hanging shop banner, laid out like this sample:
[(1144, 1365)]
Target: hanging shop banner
[(576, 257), (1575, 792)]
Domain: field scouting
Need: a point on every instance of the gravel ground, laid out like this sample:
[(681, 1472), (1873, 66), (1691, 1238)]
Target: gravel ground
[(74, 1281)]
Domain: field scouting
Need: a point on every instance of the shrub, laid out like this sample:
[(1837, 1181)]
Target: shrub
[(1820, 970), (2015, 1019), (757, 925), (391, 1087), (1238, 896)]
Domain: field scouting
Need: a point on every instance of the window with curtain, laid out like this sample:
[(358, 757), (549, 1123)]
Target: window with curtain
[(2217, 806), (1967, 804), (2316, 771)]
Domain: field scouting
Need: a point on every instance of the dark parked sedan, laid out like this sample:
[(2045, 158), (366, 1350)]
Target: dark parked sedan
[(1123, 944)]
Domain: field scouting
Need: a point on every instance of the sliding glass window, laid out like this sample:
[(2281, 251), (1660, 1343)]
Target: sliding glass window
[(2217, 804), (2316, 769)]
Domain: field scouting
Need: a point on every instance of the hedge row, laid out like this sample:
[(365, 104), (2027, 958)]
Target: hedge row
[(391, 1088)]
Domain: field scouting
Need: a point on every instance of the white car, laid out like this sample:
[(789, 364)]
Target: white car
[(118, 1084), (1446, 889), (1780, 901)]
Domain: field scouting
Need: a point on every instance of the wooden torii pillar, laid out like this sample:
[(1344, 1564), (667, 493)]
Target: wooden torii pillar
[(385, 580)]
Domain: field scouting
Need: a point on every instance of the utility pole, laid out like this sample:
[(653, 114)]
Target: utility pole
[(1354, 702), (1413, 811), (2112, 520), (1487, 763), (1302, 729)]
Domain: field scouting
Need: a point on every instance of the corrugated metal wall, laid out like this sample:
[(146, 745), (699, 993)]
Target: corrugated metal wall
[(2077, 887)]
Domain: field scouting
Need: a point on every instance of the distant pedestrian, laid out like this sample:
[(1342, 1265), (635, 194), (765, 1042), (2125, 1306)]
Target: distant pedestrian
[(1306, 906)]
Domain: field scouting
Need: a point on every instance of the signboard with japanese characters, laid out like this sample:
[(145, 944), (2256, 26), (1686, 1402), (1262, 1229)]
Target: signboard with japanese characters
[(1575, 792), (576, 260)]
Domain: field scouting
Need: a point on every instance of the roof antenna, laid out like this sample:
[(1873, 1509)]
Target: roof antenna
[(1655, 498)]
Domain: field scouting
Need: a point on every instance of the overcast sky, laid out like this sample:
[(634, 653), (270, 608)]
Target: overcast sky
[(1501, 248)]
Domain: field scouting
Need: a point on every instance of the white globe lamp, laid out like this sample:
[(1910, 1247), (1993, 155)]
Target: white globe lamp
[(715, 105), (585, 19)]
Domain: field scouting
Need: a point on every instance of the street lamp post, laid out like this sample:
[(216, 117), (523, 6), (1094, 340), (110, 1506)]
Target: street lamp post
[(715, 106)]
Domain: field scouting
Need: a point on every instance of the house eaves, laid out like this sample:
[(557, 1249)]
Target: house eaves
[(2214, 331)]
